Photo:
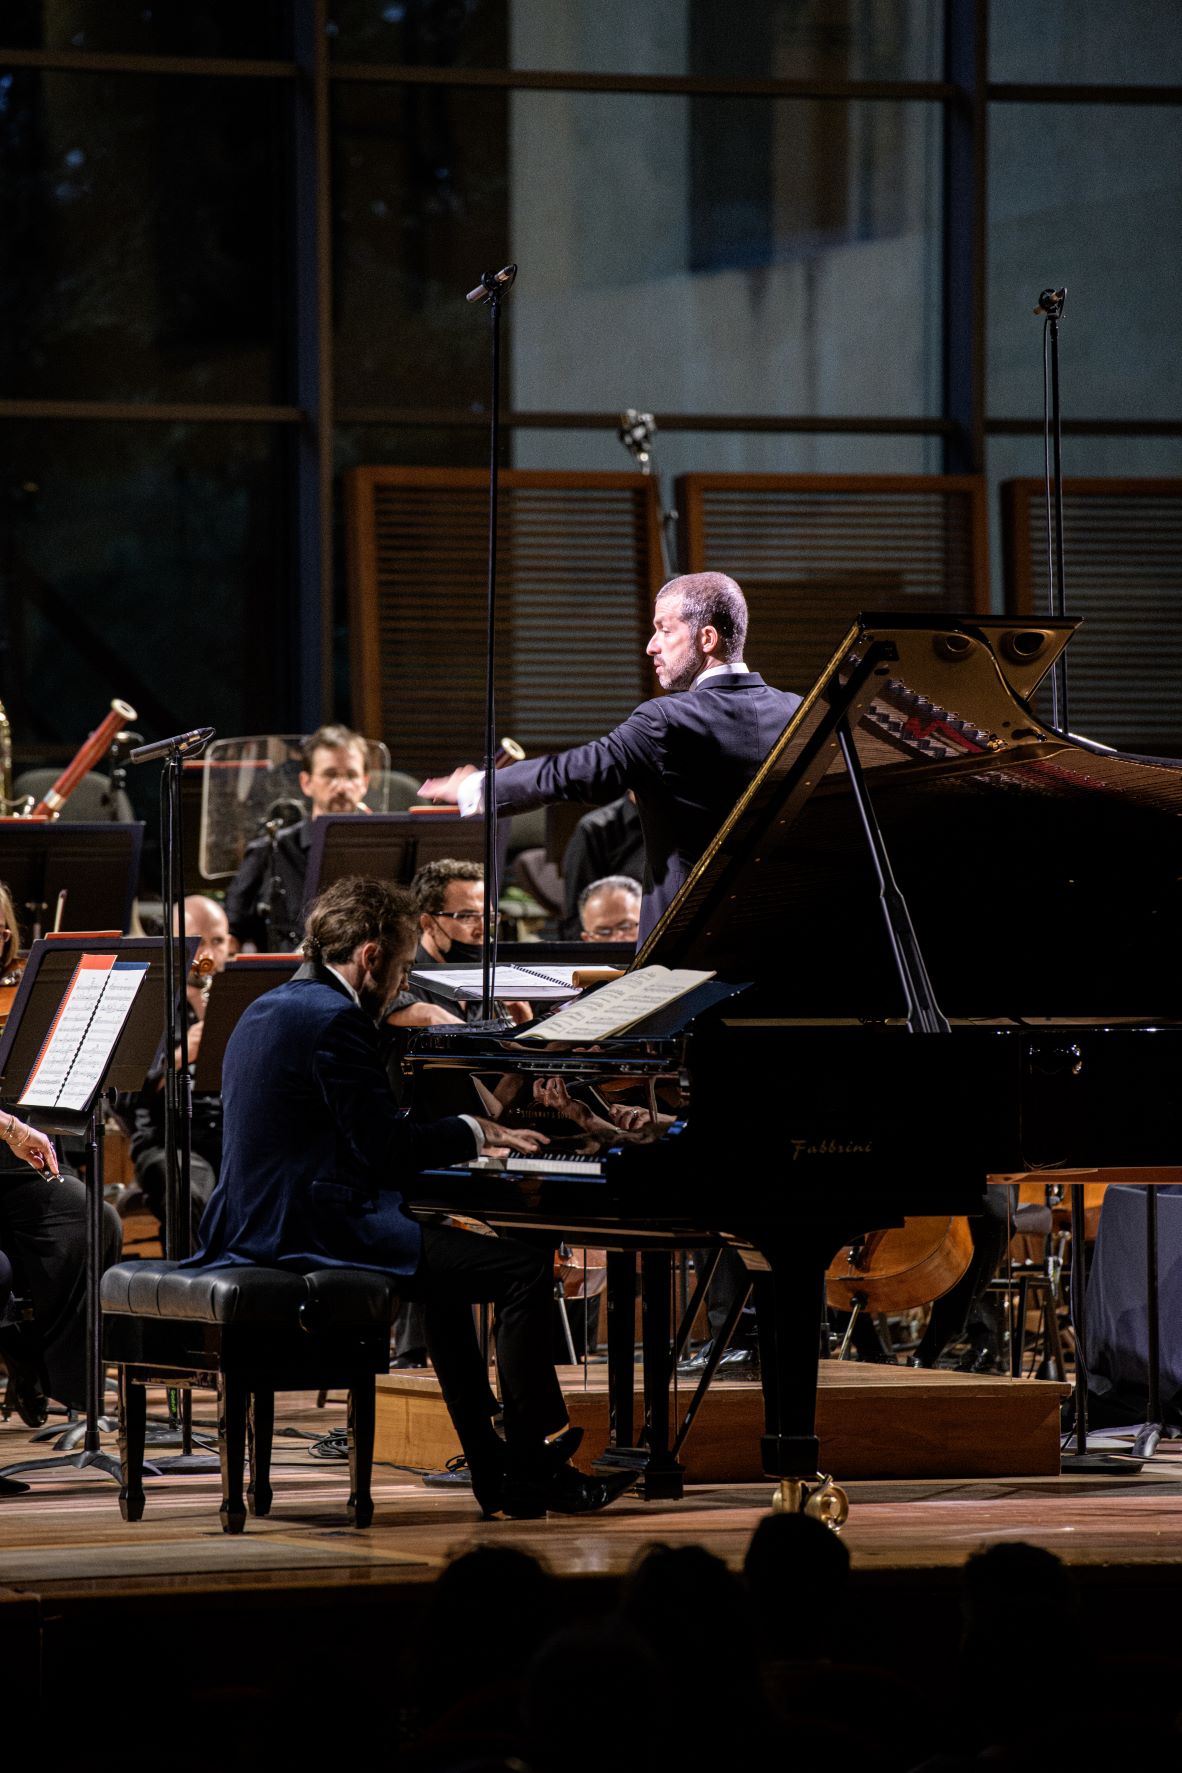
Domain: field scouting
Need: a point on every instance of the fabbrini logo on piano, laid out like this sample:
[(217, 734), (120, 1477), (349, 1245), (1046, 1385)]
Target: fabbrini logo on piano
[(829, 1148)]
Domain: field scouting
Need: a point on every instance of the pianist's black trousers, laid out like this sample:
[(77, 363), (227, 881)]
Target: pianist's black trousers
[(43, 1234), (460, 1269)]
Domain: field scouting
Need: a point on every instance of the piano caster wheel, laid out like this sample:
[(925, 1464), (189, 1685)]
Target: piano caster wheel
[(828, 1503)]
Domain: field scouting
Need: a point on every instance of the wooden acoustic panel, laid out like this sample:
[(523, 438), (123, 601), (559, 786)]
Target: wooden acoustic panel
[(1122, 572), (812, 550), (578, 563)]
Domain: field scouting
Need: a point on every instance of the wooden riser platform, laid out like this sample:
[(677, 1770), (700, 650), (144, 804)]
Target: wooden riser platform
[(873, 1422)]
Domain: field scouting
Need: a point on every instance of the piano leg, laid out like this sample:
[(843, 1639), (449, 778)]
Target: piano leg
[(621, 1348), (664, 1477), (789, 1306)]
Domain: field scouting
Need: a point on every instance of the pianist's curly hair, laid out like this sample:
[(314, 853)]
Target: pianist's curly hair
[(356, 910)]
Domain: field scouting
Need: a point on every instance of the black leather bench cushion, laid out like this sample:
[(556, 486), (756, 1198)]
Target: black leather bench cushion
[(353, 1296), (214, 1295), (334, 1296)]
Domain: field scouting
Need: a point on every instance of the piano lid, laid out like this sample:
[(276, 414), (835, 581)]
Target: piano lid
[(1043, 876)]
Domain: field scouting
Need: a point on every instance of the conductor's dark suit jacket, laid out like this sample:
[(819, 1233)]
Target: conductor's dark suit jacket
[(686, 757), (315, 1152)]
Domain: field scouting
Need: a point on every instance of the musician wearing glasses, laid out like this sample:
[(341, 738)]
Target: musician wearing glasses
[(265, 899), (609, 909), (449, 897)]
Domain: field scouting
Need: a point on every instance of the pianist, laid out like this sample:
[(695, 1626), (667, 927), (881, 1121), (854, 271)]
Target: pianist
[(315, 1159), (687, 755)]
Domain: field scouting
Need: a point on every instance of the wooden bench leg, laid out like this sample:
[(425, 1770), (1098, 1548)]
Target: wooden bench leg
[(232, 1405), (362, 1411), (133, 1419), (260, 1428)]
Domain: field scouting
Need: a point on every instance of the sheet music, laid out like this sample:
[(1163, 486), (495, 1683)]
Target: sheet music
[(614, 1007), (533, 984), (73, 1061)]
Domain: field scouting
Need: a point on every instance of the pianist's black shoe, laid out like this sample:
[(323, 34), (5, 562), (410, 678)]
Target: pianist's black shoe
[(741, 1362), (411, 1358), (566, 1491)]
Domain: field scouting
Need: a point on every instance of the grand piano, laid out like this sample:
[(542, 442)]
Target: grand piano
[(946, 946)]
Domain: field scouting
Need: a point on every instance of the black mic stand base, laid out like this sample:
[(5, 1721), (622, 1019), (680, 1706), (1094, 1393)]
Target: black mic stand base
[(10, 1487)]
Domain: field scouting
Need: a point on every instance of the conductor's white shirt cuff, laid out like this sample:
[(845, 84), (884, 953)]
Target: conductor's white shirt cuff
[(470, 796)]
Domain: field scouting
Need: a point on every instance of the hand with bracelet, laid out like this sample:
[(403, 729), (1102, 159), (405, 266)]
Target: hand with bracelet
[(32, 1147)]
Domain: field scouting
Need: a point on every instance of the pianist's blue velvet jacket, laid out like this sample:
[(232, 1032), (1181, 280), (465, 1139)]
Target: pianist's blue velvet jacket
[(315, 1151), (687, 758)]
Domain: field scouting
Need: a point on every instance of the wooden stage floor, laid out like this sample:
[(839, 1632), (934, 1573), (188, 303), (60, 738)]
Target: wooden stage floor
[(66, 1533), (302, 1597)]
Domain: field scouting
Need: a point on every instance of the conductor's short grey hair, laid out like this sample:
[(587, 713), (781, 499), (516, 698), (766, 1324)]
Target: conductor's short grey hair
[(712, 600), (611, 883)]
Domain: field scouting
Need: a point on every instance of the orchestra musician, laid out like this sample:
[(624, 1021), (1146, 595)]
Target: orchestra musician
[(205, 919), (687, 755), (315, 1156), (449, 897), (607, 840), (43, 1217), (265, 900), (609, 909)]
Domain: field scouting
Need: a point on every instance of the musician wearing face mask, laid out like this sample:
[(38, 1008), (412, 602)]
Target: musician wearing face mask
[(449, 895), (317, 1159)]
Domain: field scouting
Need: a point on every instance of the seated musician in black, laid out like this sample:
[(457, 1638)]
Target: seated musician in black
[(205, 919), (607, 840), (265, 899), (609, 909), (317, 1161), (43, 1218)]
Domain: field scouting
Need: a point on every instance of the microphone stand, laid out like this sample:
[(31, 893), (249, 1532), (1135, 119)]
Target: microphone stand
[(178, 1080), (1050, 306), (490, 290)]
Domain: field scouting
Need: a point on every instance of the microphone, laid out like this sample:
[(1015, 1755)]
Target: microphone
[(1050, 302), (185, 744), (281, 815), (491, 283)]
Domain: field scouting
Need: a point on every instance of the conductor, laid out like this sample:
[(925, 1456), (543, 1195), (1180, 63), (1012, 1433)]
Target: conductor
[(687, 755)]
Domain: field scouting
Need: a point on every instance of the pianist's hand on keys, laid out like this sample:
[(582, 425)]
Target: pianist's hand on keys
[(498, 1139)]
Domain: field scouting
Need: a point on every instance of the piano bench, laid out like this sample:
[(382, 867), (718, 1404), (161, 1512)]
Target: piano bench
[(245, 1333)]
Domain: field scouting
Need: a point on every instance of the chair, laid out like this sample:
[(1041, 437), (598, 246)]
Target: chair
[(89, 803), (246, 1333)]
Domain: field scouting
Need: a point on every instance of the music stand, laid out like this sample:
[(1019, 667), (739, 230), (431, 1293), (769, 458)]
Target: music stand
[(246, 977), (390, 846), (96, 866), (49, 976)]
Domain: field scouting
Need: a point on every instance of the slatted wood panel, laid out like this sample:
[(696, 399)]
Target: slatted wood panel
[(812, 550), (1122, 569), (578, 564)]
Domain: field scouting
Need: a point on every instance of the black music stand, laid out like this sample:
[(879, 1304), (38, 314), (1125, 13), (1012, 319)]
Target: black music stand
[(49, 973), (247, 977), (96, 866), (390, 846)]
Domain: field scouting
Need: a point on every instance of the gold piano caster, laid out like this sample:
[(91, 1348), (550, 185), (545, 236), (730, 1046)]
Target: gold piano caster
[(828, 1503)]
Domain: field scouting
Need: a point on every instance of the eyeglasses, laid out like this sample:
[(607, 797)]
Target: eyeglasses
[(603, 932), (466, 917)]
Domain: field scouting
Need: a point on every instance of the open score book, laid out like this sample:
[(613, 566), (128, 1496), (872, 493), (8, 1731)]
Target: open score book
[(616, 1007)]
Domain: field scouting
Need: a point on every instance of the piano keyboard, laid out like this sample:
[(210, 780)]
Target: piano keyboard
[(573, 1163)]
